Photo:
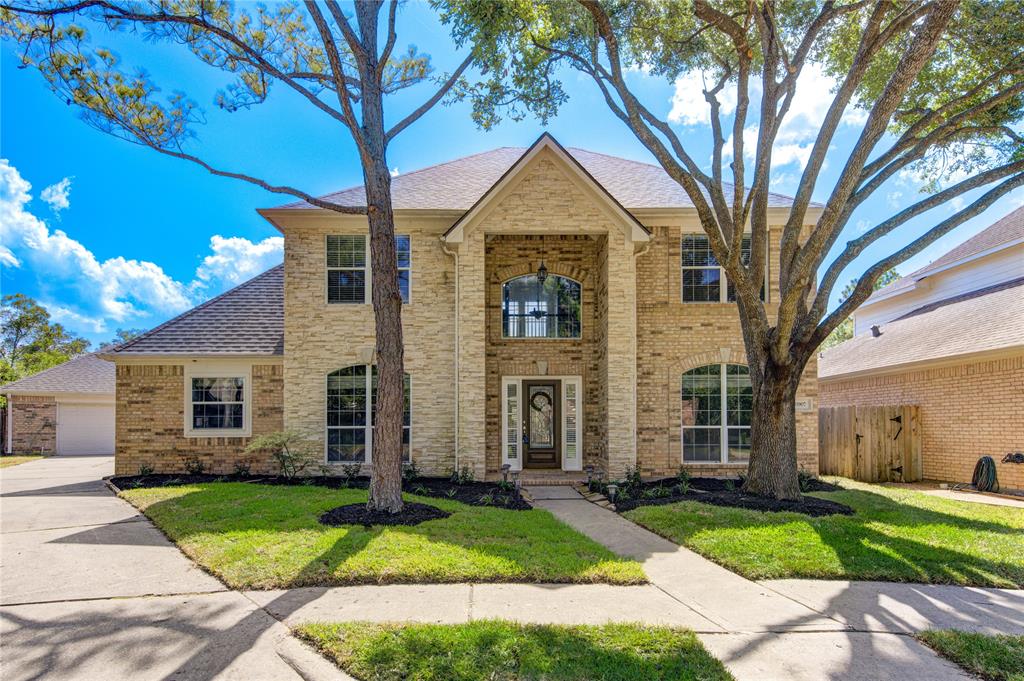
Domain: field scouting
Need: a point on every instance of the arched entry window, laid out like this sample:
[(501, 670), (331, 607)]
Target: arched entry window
[(717, 400), (531, 308), (350, 415)]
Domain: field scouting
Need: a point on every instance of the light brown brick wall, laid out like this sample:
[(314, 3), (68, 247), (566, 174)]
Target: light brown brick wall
[(967, 411), (674, 337), (150, 405), (321, 338), (33, 424)]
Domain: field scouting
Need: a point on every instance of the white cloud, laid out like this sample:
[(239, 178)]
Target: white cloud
[(394, 172), (119, 288), (236, 259), (689, 107), (56, 195), (893, 198)]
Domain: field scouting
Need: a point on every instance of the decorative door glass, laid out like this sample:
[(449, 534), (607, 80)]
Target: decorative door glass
[(542, 416)]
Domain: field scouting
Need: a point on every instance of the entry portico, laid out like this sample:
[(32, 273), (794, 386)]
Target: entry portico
[(546, 209)]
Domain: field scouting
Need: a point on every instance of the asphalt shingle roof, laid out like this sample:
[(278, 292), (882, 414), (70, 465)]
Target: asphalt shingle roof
[(984, 320), (457, 184), (84, 374), (246, 320), (1008, 229)]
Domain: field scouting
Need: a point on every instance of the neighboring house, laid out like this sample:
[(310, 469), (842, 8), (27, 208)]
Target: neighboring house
[(949, 338), (562, 311), (66, 409)]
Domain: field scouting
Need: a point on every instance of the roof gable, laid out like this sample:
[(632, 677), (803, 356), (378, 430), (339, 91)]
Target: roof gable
[(547, 147)]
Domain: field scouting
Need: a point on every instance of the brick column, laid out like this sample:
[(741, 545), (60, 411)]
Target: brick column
[(621, 353), (472, 342)]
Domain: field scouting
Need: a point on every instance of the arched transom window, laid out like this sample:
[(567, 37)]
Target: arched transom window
[(350, 415), (531, 308), (716, 406)]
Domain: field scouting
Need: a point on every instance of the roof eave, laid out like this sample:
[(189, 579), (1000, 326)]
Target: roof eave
[(929, 363)]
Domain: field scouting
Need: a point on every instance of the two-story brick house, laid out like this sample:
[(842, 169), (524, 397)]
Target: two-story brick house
[(562, 311)]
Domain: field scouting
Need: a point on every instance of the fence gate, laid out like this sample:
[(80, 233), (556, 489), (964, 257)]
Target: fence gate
[(872, 444)]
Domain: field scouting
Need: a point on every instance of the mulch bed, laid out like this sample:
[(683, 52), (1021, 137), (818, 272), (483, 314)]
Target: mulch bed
[(718, 492), (357, 514), (471, 493)]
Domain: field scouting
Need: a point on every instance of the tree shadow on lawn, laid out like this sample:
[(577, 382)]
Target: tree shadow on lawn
[(885, 540), (267, 537)]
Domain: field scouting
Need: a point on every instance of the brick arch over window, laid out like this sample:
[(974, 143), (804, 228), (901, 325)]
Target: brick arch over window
[(731, 354), (561, 269)]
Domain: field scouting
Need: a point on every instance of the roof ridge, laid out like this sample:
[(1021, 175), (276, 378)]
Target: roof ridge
[(411, 172), (962, 297), (55, 366), (190, 312)]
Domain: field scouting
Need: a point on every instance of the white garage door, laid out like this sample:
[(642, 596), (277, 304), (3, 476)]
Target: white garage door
[(85, 428)]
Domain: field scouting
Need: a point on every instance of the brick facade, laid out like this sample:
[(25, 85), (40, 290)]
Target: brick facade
[(33, 424), (637, 338), (150, 401), (967, 411)]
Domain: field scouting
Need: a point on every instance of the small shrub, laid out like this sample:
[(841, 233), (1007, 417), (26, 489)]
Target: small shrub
[(145, 469), (350, 471), (506, 486), (486, 499), (194, 466), (421, 490), (683, 475), (633, 479), (242, 469), (730, 485), (683, 487), (292, 452), (806, 480), (410, 471), (451, 492), (463, 476)]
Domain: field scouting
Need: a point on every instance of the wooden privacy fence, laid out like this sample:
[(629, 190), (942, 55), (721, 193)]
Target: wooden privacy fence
[(872, 444)]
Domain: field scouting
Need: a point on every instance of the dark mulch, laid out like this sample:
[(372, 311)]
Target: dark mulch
[(719, 492), (471, 493), (357, 514)]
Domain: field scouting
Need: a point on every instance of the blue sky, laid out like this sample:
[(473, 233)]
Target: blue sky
[(113, 235)]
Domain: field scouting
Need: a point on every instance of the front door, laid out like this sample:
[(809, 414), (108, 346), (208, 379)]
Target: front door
[(542, 420)]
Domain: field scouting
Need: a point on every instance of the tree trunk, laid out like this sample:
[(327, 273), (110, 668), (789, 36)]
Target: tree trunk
[(773, 467), (386, 473)]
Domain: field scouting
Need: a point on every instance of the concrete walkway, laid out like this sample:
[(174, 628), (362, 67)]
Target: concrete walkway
[(90, 589)]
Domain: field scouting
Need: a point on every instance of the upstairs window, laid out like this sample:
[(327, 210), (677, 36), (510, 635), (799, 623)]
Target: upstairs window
[(541, 309), (703, 276), (348, 271), (717, 401)]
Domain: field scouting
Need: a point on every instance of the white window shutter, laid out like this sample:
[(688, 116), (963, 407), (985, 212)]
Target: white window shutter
[(572, 424), (511, 440)]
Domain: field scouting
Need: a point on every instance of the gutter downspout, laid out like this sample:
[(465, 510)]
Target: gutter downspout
[(10, 424), (455, 256)]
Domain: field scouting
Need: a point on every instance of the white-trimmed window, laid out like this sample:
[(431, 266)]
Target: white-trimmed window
[(351, 412), (717, 400), (702, 276), (217, 401), (534, 309), (348, 268)]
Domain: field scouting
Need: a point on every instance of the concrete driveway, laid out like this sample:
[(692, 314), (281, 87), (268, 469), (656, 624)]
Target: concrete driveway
[(90, 589)]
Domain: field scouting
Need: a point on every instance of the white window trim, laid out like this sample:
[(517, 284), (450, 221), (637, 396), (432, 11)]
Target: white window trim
[(723, 278), (368, 459), (366, 269), (219, 370), (517, 463), (723, 427)]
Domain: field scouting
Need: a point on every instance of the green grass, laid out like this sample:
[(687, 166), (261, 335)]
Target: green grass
[(265, 537), (14, 460), (505, 651), (1000, 658), (895, 535)]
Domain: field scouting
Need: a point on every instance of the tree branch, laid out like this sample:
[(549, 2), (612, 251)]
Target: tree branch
[(430, 103)]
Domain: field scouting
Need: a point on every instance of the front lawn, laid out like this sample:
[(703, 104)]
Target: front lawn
[(267, 537), (512, 652), (895, 535), (14, 460), (999, 658)]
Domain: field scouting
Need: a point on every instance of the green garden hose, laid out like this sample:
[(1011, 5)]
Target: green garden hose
[(985, 479)]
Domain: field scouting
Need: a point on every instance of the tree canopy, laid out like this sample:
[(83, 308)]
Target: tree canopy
[(30, 342)]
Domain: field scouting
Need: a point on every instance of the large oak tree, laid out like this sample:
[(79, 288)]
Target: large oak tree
[(939, 84), (344, 64)]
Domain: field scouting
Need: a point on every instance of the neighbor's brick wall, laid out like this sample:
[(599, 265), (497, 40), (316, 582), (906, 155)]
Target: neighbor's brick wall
[(151, 421), (967, 411), (321, 338), (674, 337), (33, 424)]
